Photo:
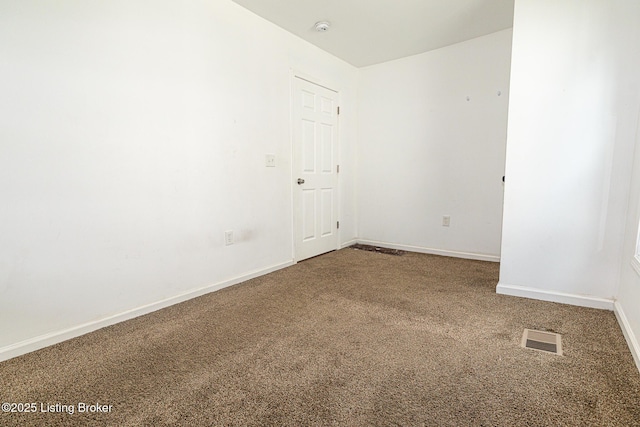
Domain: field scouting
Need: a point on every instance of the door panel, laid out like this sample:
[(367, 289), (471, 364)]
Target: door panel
[(315, 130), (308, 214), (326, 140), (326, 207), (308, 146)]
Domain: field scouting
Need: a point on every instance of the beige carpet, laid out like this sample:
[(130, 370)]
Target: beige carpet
[(351, 338)]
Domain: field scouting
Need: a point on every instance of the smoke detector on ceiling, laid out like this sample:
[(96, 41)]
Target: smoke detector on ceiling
[(322, 26)]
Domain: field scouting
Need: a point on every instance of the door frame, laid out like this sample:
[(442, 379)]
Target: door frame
[(297, 74)]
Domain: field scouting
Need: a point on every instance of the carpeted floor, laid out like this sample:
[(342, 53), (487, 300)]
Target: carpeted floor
[(351, 338)]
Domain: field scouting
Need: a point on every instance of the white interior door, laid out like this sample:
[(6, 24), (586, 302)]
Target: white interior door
[(315, 147)]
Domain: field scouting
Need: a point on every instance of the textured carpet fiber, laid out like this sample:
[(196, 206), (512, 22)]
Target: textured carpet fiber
[(350, 338)]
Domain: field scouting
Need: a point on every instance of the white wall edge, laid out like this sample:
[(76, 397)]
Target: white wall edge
[(632, 342), (635, 263), (432, 251), (553, 296), (56, 337)]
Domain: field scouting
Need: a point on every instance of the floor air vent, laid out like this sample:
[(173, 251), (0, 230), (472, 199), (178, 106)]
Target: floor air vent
[(377, 249), (548, 342)]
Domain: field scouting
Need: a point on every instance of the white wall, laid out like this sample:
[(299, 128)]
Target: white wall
[(425, 151), (572, 120), (627, 304), (628, 295), (133, 133)]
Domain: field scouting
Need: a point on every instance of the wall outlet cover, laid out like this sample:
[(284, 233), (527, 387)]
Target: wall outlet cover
[(228, 237)]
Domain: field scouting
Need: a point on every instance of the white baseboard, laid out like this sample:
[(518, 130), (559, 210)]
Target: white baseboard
[(349, 243), (553, 296), (632, 341), (432, 251), (56, 337)]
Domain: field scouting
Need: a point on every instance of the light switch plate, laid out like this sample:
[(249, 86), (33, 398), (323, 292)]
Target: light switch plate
[(270, 160)]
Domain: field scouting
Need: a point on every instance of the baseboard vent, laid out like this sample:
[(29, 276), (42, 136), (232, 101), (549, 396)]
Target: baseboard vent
[(378, 249), (548, 342)]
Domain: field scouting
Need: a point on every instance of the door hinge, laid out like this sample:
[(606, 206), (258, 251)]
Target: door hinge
[(338, 110), (338, 169), (338, 224)]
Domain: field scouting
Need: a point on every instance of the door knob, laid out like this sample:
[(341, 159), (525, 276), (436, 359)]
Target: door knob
[(300, 181)]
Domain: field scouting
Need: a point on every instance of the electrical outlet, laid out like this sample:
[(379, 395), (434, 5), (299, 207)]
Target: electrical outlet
[(228, 237), (446, 221), (270, 160)]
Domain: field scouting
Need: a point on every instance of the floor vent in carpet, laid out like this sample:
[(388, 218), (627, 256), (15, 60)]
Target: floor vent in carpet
[(377, 249), (548, 342)]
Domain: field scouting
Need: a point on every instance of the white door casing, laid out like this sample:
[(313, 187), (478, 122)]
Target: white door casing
[(315, 175)]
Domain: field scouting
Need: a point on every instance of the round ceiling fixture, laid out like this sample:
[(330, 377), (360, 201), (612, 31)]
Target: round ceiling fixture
[(322, 26)]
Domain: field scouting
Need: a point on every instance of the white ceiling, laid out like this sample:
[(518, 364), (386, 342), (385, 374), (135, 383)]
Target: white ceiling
[(366, 32)]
